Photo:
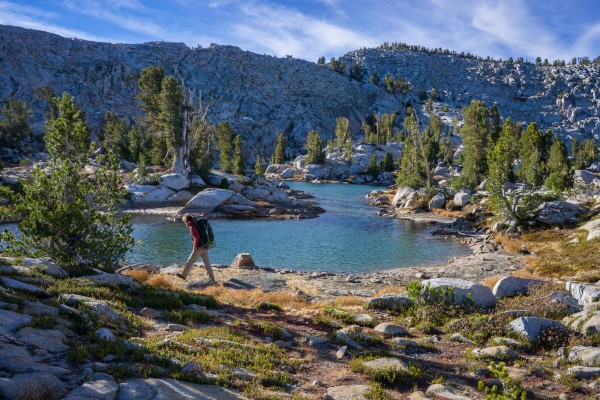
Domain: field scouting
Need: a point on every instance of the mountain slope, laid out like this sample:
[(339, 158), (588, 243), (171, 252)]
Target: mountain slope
[(262, 95)]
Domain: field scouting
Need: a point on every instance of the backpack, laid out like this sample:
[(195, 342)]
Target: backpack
[(207, 237)]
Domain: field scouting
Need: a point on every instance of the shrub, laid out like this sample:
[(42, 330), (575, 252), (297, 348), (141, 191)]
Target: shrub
[(511, 389)]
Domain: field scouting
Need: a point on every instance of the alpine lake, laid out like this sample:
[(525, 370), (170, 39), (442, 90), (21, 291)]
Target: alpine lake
[(349, 237)]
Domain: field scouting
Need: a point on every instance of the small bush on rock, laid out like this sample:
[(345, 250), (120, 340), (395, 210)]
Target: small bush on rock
[(510, 390)]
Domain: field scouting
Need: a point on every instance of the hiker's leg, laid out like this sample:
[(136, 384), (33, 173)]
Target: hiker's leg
[(191, 260), (207, 265)]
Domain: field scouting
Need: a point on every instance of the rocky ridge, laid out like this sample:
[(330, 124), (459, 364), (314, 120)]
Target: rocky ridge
[(262, 95)]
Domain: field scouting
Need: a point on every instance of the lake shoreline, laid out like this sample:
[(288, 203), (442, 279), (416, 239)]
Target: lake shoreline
[(485, 260)]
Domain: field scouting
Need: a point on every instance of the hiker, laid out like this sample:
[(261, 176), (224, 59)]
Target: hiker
[(200, 249)]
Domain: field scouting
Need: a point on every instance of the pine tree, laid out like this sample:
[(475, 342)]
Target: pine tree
[(67, 214), (388, 162), (412, 127), (173, 112), (386, 127), (134, 143), (559, 169), (224, 134), (314, 148), (495, 124), (373, 166), (14, 125), (342, 131), (368, 130), (530, 148), (500, 161), (475, 135), (115, 136), (239, 165), (432, 138), (260, 166), (584, 154), (67, 136), (411, 172), (279, 153)]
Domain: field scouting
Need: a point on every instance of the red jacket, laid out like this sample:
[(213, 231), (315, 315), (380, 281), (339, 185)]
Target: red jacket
[(194, 232)]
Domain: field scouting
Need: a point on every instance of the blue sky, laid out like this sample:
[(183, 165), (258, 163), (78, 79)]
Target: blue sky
[(553, 29)]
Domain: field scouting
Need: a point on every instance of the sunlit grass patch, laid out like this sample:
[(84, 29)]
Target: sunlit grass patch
[(144, 296), (249, 298), (558, 255), (389, 377), (159, 281), (219, 350), (140, 275)]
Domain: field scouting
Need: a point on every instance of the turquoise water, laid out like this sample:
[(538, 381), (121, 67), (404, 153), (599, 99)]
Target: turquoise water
[(349, 237)]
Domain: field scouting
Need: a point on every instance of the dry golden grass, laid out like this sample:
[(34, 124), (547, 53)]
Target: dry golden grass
[(249, 298), (491, 281), (390, 289), (348, 301), (139, 275), (512, 245), (147, 323), (159, 281), (556, 256), (450, 214)]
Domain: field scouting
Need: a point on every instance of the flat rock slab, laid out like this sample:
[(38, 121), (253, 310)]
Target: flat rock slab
[(32, 386), (497, 353), (25, 287), (256, 281), (37, 308), (102, 389), (386, 363), (113, 279), (584, 372), (440, 391), (18, 360), (171, 389), (45, 339), (10, 321), (391, 301), (350, 392), (391, 330), (586, 355)]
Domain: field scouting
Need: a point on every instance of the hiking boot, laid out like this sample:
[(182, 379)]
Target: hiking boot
[(181, 276)]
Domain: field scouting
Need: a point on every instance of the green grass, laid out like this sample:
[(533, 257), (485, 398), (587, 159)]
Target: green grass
[(268, 306), (145, 296), (347, 317), (388, 377), (187, 317), (218, 349)]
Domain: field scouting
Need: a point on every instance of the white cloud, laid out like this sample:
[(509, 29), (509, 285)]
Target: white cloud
[(35, 18), (100, 10), (280, 31)]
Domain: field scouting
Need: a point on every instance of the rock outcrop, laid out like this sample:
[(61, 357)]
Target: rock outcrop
[(262, 95)]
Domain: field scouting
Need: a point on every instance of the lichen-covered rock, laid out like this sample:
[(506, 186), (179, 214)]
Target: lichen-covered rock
[(463, 292), (586, 355), (389, 329), (174, 182), (348, 392), (584, 292), (532, 327), (243, 260), (391, 301), (510, 286)]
